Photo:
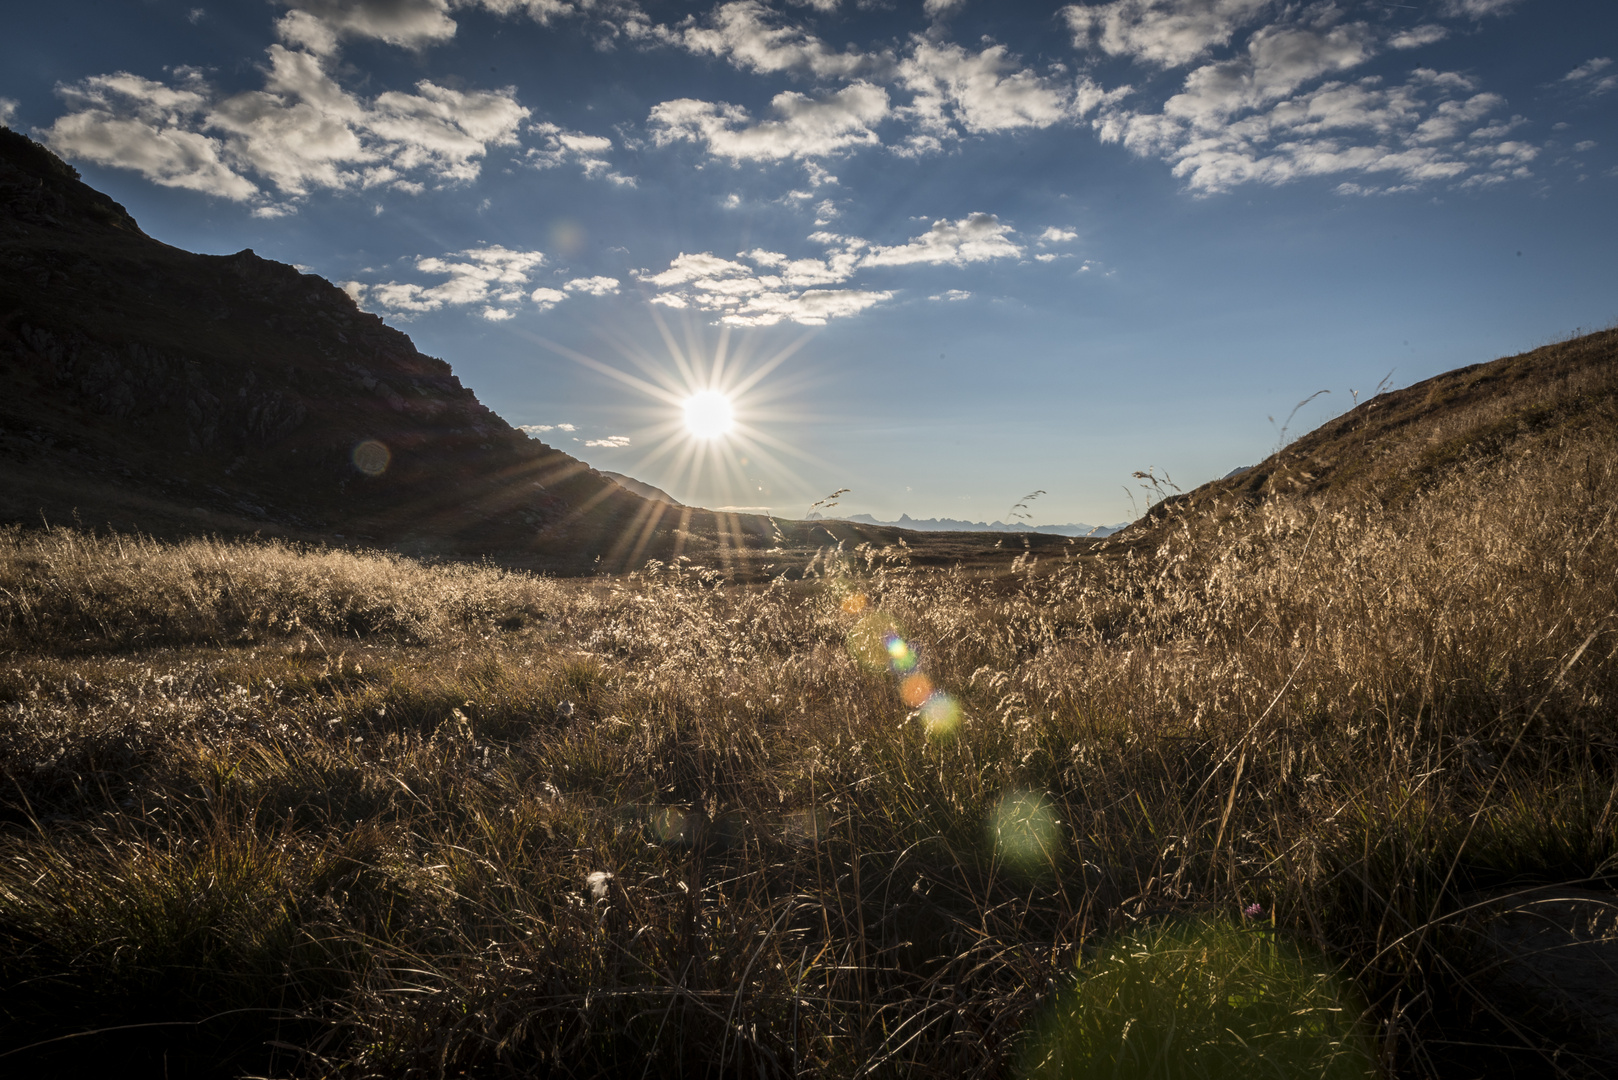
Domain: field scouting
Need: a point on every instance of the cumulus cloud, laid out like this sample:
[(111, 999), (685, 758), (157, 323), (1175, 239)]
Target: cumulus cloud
[(594, 286), (540, 429), (952, 295), (805, 127), (770, 287), (1055, 235), (740, 296), (613, 441), (318, 25), (301, 131), (974, 238), (8, 109), (564, 147), (983, 92), (489, 276), (752, 38), (546, 298), (937, 9), (1163, 33), (1423, 130)]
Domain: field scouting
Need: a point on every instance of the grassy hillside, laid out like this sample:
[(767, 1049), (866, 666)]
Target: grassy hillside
[(1397, 444), (272, 810)]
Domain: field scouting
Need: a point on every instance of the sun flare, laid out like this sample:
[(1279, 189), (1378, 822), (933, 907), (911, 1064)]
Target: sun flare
[(709, 414)]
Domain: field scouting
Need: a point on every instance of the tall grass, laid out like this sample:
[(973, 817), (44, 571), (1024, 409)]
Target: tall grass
[(322, 813)]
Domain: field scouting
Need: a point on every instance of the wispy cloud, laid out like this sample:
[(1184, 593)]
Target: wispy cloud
[(1589, 78), (562, 147), (612, 441)]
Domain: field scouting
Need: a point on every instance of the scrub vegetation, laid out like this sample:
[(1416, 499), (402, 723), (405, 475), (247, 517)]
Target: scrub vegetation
[(273, 810)]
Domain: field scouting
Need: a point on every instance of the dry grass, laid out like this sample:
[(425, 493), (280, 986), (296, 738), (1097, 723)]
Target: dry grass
[(314, 813)]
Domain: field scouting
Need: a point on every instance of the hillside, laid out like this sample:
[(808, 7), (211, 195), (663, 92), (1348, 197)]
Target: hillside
[(1399, 444)]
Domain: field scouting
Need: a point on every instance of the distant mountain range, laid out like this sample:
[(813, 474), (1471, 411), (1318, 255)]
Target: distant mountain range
[(955, 525)]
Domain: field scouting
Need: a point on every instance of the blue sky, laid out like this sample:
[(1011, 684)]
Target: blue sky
[(941, 253)]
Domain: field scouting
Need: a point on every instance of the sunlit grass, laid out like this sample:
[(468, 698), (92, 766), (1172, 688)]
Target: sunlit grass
[(324, 813)]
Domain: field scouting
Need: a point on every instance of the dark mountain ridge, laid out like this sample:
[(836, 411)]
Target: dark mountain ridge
[(150, 388)]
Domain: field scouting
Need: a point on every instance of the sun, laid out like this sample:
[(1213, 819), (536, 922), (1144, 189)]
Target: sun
[(709, 414)]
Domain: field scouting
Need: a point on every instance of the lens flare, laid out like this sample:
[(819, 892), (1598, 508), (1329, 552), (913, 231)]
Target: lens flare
[(915, 690), (709, 414), (940, 716), (372, 457), (1024, 831), (901, 657)]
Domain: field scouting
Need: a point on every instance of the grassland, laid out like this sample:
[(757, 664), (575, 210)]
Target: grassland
[(283, 811)]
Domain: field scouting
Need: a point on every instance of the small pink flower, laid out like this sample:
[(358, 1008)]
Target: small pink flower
[(1253, 911)]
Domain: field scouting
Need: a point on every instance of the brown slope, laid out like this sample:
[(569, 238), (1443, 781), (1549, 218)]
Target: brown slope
[(1401, 443)]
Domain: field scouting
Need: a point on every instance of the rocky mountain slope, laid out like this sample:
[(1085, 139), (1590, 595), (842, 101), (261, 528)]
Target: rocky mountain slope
[(152, 388)]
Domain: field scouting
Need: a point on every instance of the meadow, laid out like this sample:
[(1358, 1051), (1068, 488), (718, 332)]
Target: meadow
[(1219, 804)]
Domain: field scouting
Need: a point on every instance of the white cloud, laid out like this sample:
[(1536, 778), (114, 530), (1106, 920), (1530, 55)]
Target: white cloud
[(8, 109), (1253, 117), (1588, 69), (952, 295), (613, 441), (936, 9), (302, 131), (778, 288), (807, 127), (595, 286), (974, 238), (317, 25), (1279, 60), (576, 148), (1164, 33), (982, 92), (488, 275), (540, 429), (742, 297), (547, 298), (1360, 127), (1055, 235), (1478, 9), (1586, 145), (749, 35), (1585, 76), (1417, 36)]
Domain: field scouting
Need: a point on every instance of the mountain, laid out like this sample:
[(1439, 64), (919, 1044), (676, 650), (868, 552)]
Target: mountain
[(955, 525), (150, 388), (641, 488), (1396, 445)]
